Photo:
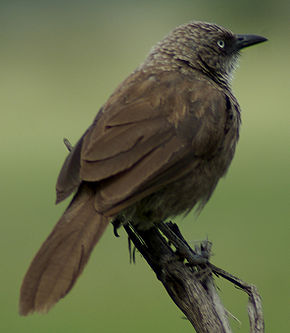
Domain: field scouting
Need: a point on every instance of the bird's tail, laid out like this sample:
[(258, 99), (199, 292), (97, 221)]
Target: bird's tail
[(63, 255)]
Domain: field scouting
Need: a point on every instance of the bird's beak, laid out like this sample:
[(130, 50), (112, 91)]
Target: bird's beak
[(248, 40)]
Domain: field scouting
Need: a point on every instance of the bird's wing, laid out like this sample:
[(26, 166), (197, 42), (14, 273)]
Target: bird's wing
[(147, 135)]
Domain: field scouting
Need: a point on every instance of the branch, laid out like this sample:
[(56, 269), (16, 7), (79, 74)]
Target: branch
[(255, 311), (192, 288)]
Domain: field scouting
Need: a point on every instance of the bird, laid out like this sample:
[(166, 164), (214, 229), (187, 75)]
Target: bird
[(155, 150)]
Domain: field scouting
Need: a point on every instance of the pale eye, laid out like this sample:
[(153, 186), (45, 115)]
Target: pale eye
[(221, 43)]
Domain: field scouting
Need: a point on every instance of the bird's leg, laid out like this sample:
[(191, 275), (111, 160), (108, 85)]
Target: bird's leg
[(155, 245), (203, 248), (172, 233)]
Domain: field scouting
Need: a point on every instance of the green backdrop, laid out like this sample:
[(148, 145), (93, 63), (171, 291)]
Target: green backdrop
[(60, 60)]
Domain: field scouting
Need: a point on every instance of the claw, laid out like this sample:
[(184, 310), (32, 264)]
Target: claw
[(116, 225), (115, 231)]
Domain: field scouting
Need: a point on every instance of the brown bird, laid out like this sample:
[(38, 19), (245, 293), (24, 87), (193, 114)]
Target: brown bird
[(156, 149)]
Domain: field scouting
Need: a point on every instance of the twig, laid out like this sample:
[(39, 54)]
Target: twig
[(192, 288), (255, 312), (67, 144)]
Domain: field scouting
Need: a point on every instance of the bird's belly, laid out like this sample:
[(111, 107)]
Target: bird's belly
[(179, 197)]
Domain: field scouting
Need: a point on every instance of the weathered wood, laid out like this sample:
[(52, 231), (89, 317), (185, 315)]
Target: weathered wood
[(192, 287)]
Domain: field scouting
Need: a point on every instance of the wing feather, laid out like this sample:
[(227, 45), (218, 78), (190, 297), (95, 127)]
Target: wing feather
[(161, 166), (136, 145), (117, 150)]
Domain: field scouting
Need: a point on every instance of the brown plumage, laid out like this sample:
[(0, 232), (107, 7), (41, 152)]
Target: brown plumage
[(156, 149)]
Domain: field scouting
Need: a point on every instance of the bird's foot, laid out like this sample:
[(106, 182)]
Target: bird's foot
[(198, 257)]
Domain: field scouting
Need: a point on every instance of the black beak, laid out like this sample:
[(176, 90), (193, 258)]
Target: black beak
[(248, 40)]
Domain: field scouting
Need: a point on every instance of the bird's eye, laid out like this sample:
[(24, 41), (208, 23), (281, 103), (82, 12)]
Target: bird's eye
[(221, 43)]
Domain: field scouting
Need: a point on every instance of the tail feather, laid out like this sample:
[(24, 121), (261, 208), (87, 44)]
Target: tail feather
[(62, 257)]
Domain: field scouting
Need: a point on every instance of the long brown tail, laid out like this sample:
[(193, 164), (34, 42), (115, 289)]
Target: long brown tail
[(63, 255)]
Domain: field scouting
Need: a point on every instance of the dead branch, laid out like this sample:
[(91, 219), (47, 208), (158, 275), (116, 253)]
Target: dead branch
[(191, 287)]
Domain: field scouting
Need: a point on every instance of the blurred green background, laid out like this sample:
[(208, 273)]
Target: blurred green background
[(60, 62)]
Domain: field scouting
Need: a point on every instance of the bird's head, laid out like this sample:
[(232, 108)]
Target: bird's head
[(206, 47)]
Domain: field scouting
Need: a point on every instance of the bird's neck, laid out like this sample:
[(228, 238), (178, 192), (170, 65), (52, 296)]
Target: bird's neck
[(161, 62)]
